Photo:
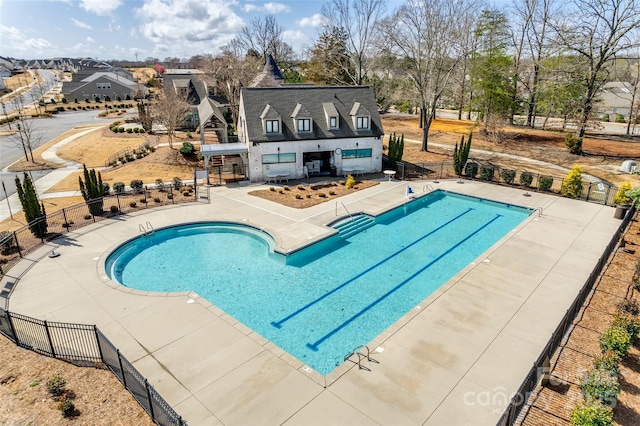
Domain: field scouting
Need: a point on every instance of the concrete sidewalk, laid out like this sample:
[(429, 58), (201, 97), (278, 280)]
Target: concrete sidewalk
[(51, 179), (454, 359)]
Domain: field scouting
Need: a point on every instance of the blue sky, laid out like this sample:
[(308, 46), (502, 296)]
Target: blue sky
[(120, 29)]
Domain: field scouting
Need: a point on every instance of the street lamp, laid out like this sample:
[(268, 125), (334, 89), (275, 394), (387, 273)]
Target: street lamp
[(26, 157), (4, 111)]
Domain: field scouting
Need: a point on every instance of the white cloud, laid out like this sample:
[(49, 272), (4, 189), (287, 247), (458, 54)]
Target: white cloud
[(100, 7), (311, 21), (292, 36), (184, 28), (81, 24), (90, 40), (14, 40), (272, 7), (269, 7)]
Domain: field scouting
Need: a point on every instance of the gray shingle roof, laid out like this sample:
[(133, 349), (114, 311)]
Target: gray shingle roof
[(285, 100)]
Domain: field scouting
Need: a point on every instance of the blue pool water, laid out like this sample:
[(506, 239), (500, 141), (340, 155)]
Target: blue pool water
[(321, 302)]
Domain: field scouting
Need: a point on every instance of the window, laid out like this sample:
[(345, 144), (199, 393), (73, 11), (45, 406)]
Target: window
[(362, 123), (304, 124), (288, 157), (356, 153), (104, 85), (272, 126), (333, 122)]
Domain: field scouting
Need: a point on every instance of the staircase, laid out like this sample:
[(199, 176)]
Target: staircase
[(354, 225)]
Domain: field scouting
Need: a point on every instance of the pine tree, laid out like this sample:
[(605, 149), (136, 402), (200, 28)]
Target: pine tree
[(396, 148), (460, 155), (92, 190), (34, 211)]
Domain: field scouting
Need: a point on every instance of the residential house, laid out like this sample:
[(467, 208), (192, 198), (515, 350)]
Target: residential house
[(296, 131), (97, 83), (208, 109), (615, 99)]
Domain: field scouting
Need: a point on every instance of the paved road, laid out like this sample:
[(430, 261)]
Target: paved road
[(45, 129)]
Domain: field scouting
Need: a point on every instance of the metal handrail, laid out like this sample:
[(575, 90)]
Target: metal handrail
[(361, 356), (427, 187), (146, 230), (344, 207)]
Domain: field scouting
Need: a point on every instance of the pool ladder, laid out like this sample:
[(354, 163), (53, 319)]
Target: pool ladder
[(361, 356), (344, 207), (146, 230), (539, 210), (427, 187)]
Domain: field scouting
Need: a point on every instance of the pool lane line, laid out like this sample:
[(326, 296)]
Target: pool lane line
[(278, 324), (314, 346)]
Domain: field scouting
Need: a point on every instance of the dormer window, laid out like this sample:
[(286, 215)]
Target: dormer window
[(331, 114), (302, 119), (272, 126), (303, 125), (361, 117), (362, 123), (270, 120)]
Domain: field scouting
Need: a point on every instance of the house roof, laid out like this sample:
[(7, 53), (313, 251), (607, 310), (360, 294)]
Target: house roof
[(319, 102), (270, 76)]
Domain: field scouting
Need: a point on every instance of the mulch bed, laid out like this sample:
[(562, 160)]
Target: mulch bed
[(553, 404)]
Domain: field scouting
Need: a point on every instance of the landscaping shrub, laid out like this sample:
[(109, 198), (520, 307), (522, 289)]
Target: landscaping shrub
[(486, 173), (471, 170), (608, 361), (187, 148), (573, 144), (8, 242), (300, 187), (160, 184), (189, 135), (157, 200), (628, 306), (616, 339), (129, 130), (64, 100), (67, 407), (629, 323), (572, 184), (298, 197), (177, 183), (143, 200), (136, 185), (133, 204), (620, 118), (591, 413), (322, 195), (600, 385), (286, 188), (605, 117), (56, 385), (349, 183), (545, 183), (272, 189), (621, 197), (508, 175), (526, 179), (120, 129), (114, 209)]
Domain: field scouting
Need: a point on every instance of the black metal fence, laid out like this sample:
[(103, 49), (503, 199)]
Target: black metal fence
[(597, 192), (17, 244), (519, 399), (82, 342)]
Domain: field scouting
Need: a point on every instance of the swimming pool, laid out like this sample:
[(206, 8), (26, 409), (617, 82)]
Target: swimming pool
[(324, 300)]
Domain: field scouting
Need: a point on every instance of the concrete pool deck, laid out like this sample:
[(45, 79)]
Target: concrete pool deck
[(455, 359)]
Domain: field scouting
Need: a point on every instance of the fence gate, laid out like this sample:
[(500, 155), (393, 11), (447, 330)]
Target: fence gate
[(601, 193)]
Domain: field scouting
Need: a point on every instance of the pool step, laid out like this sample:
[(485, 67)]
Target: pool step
[(354, 225)]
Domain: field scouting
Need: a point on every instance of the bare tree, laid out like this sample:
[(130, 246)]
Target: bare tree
[(28, 135), (532, 18), (426, 34), (596, 32), (358, 19), (171, 111), (228, 73), (263, 36)]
